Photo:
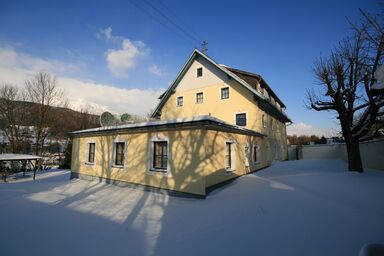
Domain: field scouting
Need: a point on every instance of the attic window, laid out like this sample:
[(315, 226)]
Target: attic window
[(180, 101), (199, 72)]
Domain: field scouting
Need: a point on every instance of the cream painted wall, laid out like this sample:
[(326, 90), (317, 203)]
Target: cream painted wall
[(241, 100), (215, 168), (185, 166), (197, 158)]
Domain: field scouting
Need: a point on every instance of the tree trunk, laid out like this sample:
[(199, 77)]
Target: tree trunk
[(354, 159)]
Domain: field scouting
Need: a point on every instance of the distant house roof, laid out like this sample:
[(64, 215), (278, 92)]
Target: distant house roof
[(248, 80), (175, 123)]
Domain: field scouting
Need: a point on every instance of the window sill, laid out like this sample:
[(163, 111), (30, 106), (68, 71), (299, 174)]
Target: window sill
[(158, 170), (88, 163), (228, 170), (118, 166)]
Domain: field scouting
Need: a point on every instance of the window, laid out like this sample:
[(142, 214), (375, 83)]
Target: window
[(199, 97), (160, 155), (119, 153), (199, 72), (224, 93), (91, 152), (228, 155), (180, 101), (263, 121), (272, 124), (255, 154), (241, 119)]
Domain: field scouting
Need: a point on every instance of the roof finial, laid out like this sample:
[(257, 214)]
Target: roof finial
[(205, 46)]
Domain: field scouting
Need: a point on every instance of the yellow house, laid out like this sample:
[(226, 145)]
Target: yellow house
[(213, 124)]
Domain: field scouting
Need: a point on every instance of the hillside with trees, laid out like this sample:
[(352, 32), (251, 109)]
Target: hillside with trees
[(36, 118)]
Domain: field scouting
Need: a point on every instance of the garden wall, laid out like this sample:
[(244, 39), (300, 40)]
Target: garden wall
[(371, 153)]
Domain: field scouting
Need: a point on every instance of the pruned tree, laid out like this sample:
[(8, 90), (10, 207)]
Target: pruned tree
[(43, 90), (346, 78)]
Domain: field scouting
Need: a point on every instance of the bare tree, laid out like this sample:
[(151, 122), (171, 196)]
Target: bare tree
[(346, 78), (43, 90), (12, 115)]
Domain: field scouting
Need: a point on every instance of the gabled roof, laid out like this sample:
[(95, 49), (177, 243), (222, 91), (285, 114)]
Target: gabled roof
[(196, 52), (244, 78)]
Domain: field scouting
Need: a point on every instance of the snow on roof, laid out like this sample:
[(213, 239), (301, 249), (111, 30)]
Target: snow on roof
[(165, 122), (10, 157)]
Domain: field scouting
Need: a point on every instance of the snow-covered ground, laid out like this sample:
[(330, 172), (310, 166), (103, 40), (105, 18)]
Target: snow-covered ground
[(309, 207)]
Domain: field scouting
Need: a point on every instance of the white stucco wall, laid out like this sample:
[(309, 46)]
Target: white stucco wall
[(371, 152)]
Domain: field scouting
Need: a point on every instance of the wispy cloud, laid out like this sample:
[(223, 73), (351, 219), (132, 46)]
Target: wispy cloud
[(105, 33), (16, 67), (154, 69), (124, 58), (307, 129)]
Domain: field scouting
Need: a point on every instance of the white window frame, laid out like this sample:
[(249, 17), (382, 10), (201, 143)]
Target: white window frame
[(263, 121), (241, 112), (256, 148), (87, 153), (232, 168), (177, 101), (197, 72), (150, 168), (226, 87), (113, 160), (202, 98)]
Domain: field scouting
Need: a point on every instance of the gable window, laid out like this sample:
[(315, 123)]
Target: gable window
[(199, 72), (199, 97), (160, 155), (119, 153), (241, 119), (263, 121), (180, 101), (91, 152), (224, 93)]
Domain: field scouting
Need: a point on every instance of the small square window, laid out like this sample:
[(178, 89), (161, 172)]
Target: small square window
[(199, 72), (224, 93), (180, 101), (241, 119), (119, 153), (199, 97)]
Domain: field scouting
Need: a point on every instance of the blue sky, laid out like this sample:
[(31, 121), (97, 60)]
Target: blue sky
[(130, 48)]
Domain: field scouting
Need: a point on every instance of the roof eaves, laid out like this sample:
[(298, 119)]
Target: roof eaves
[(167, 123)]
